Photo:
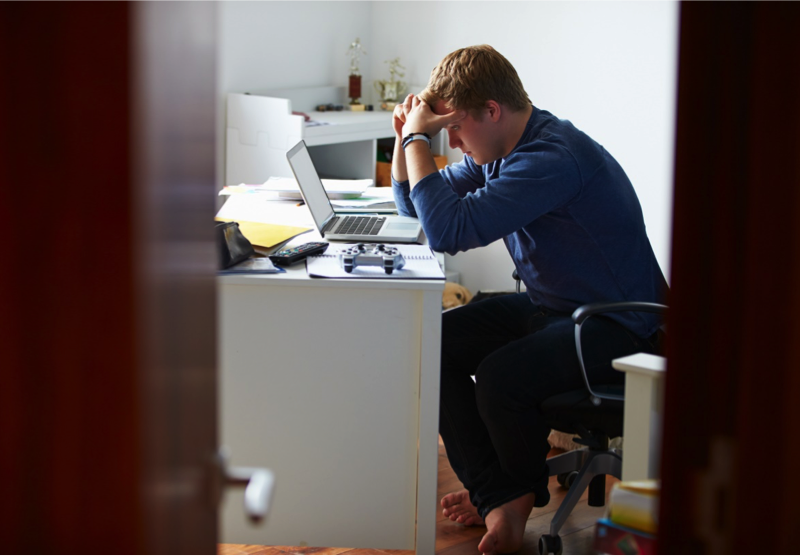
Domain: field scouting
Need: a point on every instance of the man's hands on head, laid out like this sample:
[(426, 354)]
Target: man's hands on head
[(417, 117), (399, 120)]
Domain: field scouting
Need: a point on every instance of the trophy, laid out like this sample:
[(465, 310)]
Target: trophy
[(354, 88), (392, 89)]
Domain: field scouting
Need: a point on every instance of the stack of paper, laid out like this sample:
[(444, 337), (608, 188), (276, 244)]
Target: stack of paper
[(373, 198), (287, 188)]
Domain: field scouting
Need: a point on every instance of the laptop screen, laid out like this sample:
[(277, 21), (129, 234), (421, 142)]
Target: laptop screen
[(310, 185)]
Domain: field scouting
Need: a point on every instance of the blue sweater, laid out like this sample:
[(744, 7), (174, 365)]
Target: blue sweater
[(566, 211)]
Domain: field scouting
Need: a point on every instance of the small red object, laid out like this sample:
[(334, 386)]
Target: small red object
[(355, 88)]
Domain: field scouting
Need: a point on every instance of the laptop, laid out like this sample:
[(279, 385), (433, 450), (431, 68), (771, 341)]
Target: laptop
[(342, 227)]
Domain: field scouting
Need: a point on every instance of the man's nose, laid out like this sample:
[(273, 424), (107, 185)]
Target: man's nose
[(455, 142)]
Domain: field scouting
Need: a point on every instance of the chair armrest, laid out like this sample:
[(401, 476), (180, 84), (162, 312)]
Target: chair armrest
[(583, 312)]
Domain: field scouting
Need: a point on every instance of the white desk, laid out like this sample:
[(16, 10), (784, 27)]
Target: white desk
[(644, 395), (334, 385)]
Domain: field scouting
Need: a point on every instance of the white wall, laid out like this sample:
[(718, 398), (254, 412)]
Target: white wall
[(609, 67), (276, 45)]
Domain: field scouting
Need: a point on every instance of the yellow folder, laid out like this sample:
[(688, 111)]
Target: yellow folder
[(266, 235)]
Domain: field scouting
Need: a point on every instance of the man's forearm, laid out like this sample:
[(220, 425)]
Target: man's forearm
[(399, 172), (419, 162)]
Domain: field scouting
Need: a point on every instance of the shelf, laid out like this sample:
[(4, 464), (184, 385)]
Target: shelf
[(261, 129), (348, 126)]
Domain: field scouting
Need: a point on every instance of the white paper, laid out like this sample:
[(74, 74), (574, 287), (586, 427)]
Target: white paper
[(421, 264), (364, 202), (335, 188)]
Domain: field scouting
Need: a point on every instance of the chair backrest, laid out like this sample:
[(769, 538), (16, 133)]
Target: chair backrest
[(583, 313), (563, 411), (594, 411)]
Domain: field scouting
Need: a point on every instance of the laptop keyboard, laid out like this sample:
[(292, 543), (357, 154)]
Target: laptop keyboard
[(358, 225)]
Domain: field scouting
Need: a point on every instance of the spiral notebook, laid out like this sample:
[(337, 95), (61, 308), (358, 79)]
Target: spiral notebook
[(421, 264)]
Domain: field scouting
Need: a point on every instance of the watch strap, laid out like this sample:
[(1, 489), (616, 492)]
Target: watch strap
[(416, 137)]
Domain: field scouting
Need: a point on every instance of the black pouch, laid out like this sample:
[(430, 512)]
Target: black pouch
[(233, 247)]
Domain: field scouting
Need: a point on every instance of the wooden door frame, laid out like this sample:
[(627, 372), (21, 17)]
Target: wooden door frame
[(108, 334), (733, 380)]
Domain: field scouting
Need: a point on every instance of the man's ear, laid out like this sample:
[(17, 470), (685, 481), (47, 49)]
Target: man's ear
[(493, 110)]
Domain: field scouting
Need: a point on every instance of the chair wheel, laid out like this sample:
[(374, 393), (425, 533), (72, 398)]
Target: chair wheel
[(548, 544), (566, 479)]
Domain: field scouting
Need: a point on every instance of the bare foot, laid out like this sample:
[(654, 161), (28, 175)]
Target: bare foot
[(458, 507), (506, 526)]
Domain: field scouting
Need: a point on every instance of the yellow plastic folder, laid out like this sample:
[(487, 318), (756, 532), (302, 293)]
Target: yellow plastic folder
[(266, 235)]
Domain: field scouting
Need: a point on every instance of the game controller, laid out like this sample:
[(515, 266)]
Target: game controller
[(372, 255)]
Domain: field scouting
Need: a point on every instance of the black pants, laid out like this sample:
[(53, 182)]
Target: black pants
[(520, 355)]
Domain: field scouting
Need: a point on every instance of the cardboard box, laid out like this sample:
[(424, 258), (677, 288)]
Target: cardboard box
[(383, 170), (383, 174)]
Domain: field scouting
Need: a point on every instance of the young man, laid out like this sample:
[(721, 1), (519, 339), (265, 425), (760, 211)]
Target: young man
[(573, 226)]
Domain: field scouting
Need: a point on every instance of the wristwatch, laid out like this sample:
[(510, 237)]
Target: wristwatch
[(416, 137)]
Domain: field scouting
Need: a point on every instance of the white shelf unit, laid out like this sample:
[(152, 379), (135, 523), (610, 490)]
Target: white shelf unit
[(261, 128)]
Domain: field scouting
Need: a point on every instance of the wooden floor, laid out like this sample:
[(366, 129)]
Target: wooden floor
[(452, 538)]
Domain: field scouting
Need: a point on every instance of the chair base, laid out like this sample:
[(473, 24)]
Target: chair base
[(589, 464)]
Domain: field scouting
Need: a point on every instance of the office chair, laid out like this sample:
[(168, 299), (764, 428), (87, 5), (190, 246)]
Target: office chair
[(595, 414)]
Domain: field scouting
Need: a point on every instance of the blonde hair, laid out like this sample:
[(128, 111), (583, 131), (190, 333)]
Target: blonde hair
[(469, 77)]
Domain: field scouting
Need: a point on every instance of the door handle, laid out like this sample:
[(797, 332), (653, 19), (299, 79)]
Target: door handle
[(258, 483)]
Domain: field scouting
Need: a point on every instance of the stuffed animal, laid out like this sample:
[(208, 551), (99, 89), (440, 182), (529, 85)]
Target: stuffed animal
[(455, 295), (564, 441)]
